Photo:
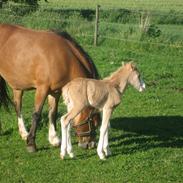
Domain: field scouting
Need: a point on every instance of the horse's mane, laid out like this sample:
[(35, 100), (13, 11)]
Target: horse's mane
[(68, 37)]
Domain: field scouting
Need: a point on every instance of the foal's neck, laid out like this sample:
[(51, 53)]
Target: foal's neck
[(118, 80)]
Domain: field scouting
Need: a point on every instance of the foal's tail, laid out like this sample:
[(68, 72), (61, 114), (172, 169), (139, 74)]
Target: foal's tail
[(4, 98)]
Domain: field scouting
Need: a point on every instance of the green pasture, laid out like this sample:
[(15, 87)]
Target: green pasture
[(146, 135)]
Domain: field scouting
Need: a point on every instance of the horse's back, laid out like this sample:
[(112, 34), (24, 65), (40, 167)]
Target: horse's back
[(32, 55)]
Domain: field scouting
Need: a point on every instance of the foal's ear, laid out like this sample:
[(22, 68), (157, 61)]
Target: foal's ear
[(133, 66)]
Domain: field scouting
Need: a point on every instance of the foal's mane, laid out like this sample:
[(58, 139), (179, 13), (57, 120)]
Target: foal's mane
[(68, 37), (114, 74)]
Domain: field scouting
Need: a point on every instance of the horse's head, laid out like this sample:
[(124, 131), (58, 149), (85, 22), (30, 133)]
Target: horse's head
[(134, 78), (85, 125)]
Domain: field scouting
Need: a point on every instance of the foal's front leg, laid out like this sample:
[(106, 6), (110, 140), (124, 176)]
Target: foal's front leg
[(106, 142), (103, 130)]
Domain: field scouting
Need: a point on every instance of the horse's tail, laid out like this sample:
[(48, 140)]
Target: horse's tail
[(4, 98)]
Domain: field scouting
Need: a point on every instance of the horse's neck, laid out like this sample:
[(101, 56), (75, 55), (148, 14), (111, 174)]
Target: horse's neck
[(82, 59)]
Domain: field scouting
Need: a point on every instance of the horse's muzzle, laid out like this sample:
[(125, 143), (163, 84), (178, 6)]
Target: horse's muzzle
[(87, 145)]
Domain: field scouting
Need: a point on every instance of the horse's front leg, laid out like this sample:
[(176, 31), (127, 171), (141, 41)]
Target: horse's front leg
[(63, 148), (53, 107), (103, 130), (41, 94), (17, 97)]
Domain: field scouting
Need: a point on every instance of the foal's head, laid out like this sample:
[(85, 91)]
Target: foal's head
[(134, 78)]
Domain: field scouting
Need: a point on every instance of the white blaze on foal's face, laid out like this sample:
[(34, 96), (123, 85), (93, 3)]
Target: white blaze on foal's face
[(136, 81), (142, 86)]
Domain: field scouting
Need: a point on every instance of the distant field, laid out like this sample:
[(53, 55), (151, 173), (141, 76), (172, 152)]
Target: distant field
[(146, 135), (132, 4)]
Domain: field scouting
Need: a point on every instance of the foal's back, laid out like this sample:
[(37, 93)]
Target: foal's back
[(90, 92)]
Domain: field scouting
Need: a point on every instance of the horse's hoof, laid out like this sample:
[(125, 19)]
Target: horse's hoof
[(55, 142), (83, 145), (23, 136), (31, 149), (92, 145)]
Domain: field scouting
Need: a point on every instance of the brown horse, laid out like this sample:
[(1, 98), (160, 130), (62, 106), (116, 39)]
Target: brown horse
[(44, 61)]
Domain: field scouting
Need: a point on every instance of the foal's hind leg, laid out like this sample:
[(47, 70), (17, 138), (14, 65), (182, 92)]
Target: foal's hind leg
[(53, 107), (65, 120), (17, 95), (69, 145)]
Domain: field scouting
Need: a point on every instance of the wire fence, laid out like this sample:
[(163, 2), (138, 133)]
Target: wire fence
[(123, 33)]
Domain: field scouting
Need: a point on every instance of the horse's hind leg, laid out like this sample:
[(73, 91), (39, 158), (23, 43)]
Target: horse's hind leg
[(17, 95), (53, 107), (41, 94)]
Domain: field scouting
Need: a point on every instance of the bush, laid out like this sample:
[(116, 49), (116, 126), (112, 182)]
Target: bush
[(153, 31)]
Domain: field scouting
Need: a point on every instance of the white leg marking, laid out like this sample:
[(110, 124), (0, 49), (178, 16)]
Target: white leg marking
[(64, 138), (22, 130), (53, 138), (106, 144), (69, 145), (103, 130)]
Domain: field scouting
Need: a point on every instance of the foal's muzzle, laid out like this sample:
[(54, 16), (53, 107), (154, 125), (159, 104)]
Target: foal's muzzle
[(142, 86)]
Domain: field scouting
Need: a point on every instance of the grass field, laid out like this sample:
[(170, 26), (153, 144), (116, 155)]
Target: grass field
[(146, 135)]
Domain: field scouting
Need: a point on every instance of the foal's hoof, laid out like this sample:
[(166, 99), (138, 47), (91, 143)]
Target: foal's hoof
[(31, 149), (62, 156), (71, 155)]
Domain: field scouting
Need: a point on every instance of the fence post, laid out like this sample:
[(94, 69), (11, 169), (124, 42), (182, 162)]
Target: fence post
[(96, 25), (1, 4), (144, 21)]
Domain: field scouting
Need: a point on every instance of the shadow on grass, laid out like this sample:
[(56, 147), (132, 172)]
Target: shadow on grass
[(7, 132), (144, 133)]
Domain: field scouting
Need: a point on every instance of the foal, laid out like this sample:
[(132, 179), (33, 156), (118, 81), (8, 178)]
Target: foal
[(101, 94)]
